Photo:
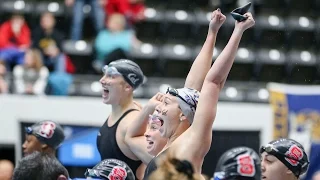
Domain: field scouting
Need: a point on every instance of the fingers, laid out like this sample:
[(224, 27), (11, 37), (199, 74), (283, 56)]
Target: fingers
[(159, 96)]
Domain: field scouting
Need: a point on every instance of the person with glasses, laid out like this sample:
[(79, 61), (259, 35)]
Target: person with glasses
[(239, 163), (43, 136), (120, 79), (186, 123), (283, 159)]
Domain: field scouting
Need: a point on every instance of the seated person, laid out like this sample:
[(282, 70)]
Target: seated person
[(31, 77)]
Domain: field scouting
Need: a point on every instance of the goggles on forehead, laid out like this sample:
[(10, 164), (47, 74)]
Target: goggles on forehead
[(175, 92), (92, 174), (155, 119), (111, 71), (28, 130), (270, 149)]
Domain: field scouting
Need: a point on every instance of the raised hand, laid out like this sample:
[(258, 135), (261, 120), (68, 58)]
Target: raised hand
[(155, 100), (248, 23), (217, 19)]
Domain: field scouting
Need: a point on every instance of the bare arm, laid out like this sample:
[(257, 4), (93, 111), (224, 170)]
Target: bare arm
[(214, 81), (202, 63), (135, 133)]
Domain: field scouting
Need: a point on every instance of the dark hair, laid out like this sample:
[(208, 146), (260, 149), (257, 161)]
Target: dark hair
[(39, 166)]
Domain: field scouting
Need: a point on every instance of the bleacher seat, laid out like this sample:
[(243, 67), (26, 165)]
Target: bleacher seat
[(151, 28), (242, 69), (147, 56), (302, 67), (300, 32), (176, 60), (270, 65), (270, 31), (179, 26)]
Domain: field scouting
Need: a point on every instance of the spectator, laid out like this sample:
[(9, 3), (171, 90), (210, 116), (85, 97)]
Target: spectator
[(6, 169), (97, 15), (15, 39), (31, 77), (49, 41), (38, 166), (114, 42), (3, 82), (133, 10)]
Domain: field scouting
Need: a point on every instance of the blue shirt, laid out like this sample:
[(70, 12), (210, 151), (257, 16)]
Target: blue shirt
[(106, 42)]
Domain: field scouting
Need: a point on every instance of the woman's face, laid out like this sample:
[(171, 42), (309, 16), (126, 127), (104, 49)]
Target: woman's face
[(169, 113), (272, 168), (154, 139), (113, 88)]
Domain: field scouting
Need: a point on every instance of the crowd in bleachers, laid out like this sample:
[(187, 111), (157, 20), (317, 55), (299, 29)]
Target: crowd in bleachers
[(35, 56)]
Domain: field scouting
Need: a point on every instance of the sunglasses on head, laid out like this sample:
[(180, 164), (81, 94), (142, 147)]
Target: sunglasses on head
[(175, 92), (111, 71), (269, 148)]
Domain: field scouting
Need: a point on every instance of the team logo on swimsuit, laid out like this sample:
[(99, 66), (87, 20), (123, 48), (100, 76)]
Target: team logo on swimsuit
[(246, 165), (117, 173), (295, 153), (47, 130)]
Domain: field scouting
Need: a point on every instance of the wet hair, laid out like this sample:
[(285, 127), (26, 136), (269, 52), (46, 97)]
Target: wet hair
[(39, 166), (170, 168)]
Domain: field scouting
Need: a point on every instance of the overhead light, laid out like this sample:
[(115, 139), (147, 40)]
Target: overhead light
[(150, 13), (53, 7), (274, 20), (179, 49), (304, 22), (243, 53), (305, 56), (215, 52), (231, 92), (209, 14), (96, 87), (86, 8), (263, 94), (80, 45), (18, 5), (181, 15), (274, 54), (146, 48)]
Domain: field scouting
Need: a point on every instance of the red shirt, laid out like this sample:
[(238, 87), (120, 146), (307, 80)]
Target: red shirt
[(123, 7), (9, 39)]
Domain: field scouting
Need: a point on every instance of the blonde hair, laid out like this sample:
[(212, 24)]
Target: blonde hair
[(170, 168), (37, 58)]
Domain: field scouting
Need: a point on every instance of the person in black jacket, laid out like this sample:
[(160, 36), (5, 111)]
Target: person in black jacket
[(49, 41)]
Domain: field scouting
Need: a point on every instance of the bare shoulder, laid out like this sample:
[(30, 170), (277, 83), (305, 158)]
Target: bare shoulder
[(188, 145), (126, 121)]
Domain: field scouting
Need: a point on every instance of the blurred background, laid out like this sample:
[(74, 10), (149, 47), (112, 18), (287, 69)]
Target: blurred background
[(52, 53)]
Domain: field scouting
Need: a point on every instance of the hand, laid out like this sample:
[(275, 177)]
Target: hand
[(69, 3), (29, 89), (244, 25), (217, 19), (155, 101)]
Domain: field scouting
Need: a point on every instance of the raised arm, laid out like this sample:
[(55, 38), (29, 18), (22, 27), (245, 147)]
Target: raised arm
[(202, 63), (214, 81), (135, 133)]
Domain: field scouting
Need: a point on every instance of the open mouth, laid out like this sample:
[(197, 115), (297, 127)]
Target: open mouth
[(150, 144), (263, 177), (105, 92)]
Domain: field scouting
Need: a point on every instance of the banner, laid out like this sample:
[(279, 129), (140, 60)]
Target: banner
[(296, 112), (79, 147)]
